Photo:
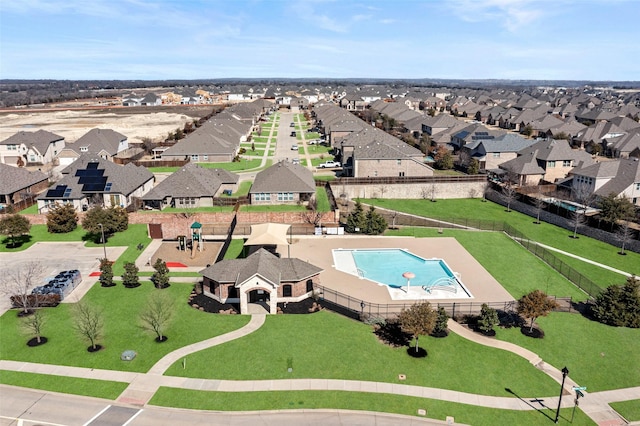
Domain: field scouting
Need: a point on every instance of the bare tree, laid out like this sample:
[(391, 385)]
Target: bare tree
[(577, 220), (509, 192), (383, 189), (33, 324), (624, 234), (88, 322), (18, 282), (157, 314), (539, 204), (433, 190), (424, 192), (311, 215)]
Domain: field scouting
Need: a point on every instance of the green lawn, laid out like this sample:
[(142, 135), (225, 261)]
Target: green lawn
[(318, 149), (273, 208), (630, 410), (388, 403), (193, 210), (327, 345), (545, 233), (318, 160), (122, 331), (325, 177), (598, 356), (521, 274), (243, 189), (256, 139), (63, 384), (257, 152), (235, 249), (30, 210), (40, 233), (322, 199), (244, 164)]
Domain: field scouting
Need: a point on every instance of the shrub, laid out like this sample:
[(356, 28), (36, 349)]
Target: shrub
[(619, 305)]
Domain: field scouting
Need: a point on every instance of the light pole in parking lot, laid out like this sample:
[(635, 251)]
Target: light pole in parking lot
[(104, 244)]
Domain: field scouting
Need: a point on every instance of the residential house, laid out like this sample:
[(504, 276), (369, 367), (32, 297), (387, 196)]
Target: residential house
[(93, 180), (594, 135), (102, 143), (495, 150), (374, 153), (191, 186), (620, 177), (546, 160), (17, 184), (262, 278), (31, 148), (283, 183), (473, 132)]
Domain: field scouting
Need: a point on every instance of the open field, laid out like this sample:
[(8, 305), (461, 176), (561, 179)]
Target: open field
[(135, 123)]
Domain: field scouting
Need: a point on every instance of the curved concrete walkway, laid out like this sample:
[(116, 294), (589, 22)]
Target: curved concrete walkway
[(143, 386), (594, 405)]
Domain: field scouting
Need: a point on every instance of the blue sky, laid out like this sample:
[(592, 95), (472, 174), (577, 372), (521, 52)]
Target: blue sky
[(191, 39)]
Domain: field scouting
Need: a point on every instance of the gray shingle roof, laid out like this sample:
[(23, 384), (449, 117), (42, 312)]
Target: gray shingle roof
[(191, 180), (14, 179), (97, 140), (39, 140), (284, 177), (124, 179), (274, 269)]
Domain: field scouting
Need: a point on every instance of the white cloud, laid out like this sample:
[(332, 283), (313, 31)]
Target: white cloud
[(512, 14)]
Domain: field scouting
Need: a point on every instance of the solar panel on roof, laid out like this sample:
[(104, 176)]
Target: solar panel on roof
[(57, 192), (93, 187), (107, 187), (92, 166), (67, 193), (92, 179)]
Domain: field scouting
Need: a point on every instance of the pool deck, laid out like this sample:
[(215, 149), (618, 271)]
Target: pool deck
[(318, 251)]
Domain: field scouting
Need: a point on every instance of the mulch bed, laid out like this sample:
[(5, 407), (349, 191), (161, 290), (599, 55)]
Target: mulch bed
[(213, 306), (34, 342)]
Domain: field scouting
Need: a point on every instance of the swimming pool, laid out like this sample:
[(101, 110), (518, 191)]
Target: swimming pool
[(387, 266)]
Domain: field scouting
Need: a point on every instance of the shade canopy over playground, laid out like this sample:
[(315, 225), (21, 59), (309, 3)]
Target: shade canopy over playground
[(265, 234)]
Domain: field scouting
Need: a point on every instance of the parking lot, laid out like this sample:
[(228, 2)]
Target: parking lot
[(56, 257)]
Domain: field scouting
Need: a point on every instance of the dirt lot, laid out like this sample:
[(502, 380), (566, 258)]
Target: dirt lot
[(134, 122), (169, 253)]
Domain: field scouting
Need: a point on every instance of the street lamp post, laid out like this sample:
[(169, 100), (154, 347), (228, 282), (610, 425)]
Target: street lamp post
[(565, 373), (104, 245)]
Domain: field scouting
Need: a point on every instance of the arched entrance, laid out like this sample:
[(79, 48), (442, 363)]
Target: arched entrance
[(259, 301)]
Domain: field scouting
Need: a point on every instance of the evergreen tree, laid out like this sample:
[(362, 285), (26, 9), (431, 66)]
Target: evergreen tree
[(130, 276), (619, 305), (374, 222), (356, 219), (474, 167), (113, 219), (106, 273), (488, 319), (160, 277), (62, 218), (440, 328)]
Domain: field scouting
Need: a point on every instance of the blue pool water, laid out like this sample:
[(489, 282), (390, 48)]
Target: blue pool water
[(386, 266)]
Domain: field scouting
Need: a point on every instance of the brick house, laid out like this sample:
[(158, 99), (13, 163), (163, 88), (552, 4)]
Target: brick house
[(261, 278), (283, 183), (17, 184)]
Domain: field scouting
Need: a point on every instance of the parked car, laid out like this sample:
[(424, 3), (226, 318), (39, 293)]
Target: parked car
[(294, 147), (314, 142), (329, 165), (293, 134), (295, 161)]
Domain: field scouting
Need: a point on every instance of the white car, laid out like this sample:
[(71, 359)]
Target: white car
[(329, 165), (294, 147)]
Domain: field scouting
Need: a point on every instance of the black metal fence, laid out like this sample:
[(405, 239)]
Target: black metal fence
[(359, 309)]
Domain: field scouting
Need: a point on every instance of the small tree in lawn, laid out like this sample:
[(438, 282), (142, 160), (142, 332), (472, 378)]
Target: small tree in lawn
[(33, 324), (535, 304), (13, 226), (418, 320), (106, 273), (157, 314), (88, 322), (160, 277), (130, 276), (488, 319), (112, 219), (577, 221), (624, 233), (442, 320), (62, 218)]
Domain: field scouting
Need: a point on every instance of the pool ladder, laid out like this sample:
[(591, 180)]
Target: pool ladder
[(445, 283)]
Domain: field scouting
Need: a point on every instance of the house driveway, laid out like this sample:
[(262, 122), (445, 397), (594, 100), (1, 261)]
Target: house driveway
[(56, 257)]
